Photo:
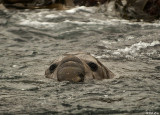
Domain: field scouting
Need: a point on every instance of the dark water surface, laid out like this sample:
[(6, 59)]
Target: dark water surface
[(29, 40)]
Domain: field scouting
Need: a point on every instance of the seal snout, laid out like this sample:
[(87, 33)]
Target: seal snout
[(71, 69)]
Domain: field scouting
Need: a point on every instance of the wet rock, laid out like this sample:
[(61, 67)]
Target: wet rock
[(89, 2), (2, 6), (152, 8), (146, 10), (32, 4), (37, 4)]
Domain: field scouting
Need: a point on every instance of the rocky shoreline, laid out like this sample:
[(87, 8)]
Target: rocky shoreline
[(146, 10)]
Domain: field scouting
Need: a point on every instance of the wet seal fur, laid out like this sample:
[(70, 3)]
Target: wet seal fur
[(77, 67)]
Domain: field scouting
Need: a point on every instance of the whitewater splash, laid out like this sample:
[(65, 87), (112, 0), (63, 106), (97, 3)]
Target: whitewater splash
[(79, 15), (132, 51), (135, 47)]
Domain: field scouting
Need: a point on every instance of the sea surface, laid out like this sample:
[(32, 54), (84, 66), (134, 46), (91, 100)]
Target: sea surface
[(31, 39)]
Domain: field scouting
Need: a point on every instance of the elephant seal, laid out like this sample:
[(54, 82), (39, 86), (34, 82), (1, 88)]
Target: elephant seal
[(77, 67)]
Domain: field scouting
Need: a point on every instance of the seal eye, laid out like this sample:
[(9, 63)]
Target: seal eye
[(93, 66), (52, 67)]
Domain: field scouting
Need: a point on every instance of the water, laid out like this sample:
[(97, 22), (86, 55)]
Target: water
[(31, 39)]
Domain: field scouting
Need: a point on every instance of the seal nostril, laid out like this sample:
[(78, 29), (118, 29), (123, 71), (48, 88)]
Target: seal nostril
[(82, 77)]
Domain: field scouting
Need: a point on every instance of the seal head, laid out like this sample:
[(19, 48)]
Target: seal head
[(77, 67)]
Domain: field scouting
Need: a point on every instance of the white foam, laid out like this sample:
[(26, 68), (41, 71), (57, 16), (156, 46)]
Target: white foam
[(117, 21), (130, 37), (135, 47), (36, 24), (129, 52), (51, 16), (36, 19), (106, 42), (93, 21), (80, 8)]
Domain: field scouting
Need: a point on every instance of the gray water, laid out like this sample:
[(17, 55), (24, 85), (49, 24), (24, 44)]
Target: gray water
[(31, 39)]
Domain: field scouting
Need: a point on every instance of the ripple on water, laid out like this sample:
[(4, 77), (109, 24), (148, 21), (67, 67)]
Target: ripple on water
[(31, 38), (7, 77)]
